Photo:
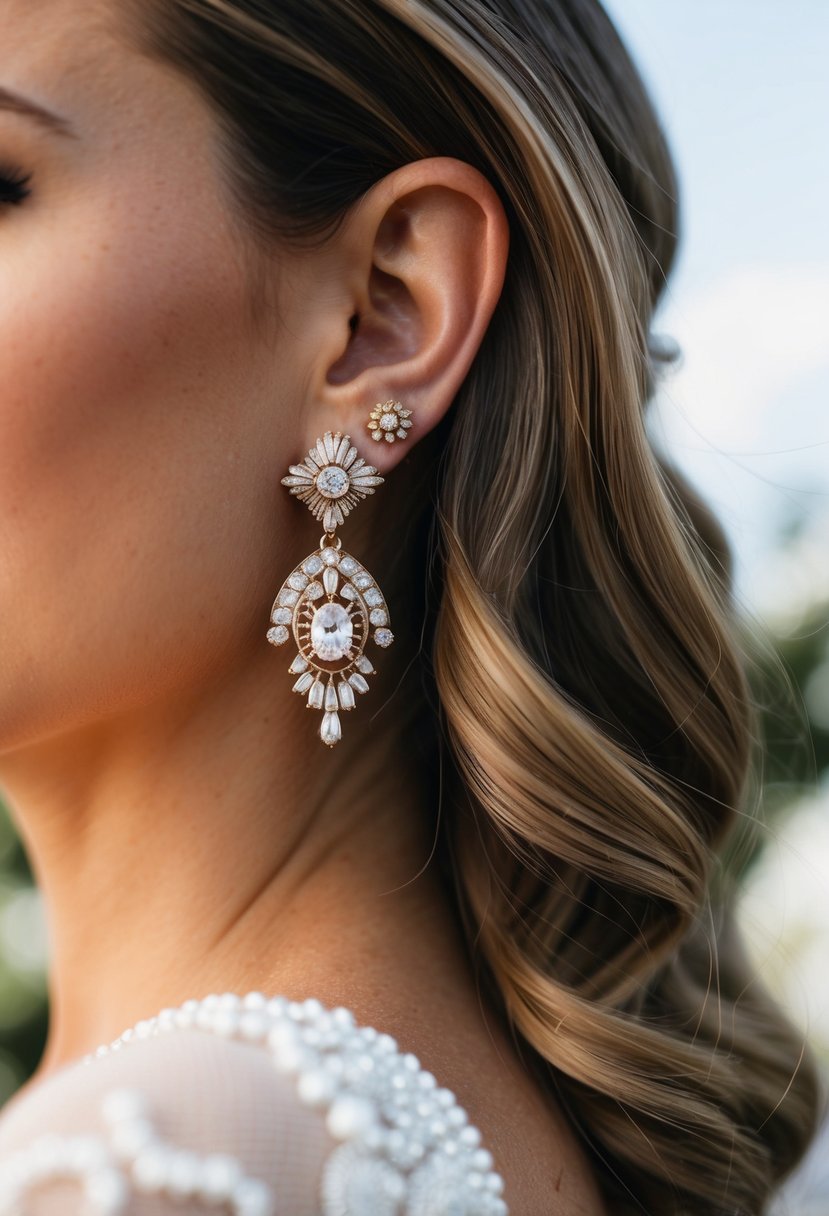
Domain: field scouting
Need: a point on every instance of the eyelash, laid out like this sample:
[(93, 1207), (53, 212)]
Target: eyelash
[(12, 183)]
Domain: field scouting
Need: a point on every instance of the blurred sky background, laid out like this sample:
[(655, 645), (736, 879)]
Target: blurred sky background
[(742, 88)]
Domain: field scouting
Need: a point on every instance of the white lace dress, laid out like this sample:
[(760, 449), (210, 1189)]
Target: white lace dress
[(248, 1105)]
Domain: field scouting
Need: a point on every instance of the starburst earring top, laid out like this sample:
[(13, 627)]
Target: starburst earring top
[(330, 601), (389, 421), (332, 479)]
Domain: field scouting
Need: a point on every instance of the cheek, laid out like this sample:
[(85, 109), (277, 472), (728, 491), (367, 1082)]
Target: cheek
[(130, 463)]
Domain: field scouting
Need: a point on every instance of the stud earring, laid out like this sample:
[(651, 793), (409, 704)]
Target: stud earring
[(389, 421), (330, 601)]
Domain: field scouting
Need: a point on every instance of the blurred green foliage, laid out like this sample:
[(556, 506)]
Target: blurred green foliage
[(23, 997), (790, 683)]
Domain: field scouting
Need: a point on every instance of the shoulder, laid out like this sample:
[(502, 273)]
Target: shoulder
[(260, 1105)]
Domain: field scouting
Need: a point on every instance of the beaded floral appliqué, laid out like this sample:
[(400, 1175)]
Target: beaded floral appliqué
[(130, 1159), (407, 1147)]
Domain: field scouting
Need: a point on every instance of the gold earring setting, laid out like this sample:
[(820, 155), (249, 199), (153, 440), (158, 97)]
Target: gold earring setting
[(389, 421), (330, 602)]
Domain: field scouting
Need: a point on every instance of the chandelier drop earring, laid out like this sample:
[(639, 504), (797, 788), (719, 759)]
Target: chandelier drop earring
[(330, 602)]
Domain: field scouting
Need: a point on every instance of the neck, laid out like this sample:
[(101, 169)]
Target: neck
[(216, 844)]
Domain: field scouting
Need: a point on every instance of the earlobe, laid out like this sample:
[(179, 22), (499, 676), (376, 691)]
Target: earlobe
[(426, 252)]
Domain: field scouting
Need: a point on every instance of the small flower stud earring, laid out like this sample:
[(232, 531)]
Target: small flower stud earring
[(330, 601), (389, 421)]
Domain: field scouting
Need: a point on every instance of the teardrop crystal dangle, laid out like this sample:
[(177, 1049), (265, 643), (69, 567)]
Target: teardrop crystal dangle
[(330, 602)]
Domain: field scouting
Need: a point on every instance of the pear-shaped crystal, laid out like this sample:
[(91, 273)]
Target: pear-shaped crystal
[(330, 731)]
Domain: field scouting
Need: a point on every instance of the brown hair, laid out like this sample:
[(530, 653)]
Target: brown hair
[(582, 664)]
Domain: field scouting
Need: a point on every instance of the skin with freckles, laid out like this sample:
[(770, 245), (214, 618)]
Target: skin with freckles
[(189, 831)]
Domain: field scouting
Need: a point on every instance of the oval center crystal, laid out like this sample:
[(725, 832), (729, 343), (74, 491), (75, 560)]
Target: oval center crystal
[(332, 481), (331, 631)]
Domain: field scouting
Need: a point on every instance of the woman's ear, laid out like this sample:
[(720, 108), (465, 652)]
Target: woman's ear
[(421, 261)]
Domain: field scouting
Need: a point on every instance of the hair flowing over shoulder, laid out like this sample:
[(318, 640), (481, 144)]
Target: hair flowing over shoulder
[(584, 678)]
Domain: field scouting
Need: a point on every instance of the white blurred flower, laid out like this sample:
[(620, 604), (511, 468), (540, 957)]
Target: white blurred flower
[(784, 913)]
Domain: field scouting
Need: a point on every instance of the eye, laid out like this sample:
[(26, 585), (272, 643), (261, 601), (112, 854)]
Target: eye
[(12, 185)]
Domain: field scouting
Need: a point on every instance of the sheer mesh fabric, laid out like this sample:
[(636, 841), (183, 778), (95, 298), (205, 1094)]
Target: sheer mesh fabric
[(206, 1094)]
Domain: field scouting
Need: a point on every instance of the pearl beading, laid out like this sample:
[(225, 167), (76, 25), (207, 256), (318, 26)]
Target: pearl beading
[(407, 1148), (84, 1159), (130, 1158)]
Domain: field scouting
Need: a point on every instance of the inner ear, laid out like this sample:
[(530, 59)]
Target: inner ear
[(389, 331)]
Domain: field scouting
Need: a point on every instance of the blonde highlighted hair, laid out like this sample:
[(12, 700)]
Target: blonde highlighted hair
[(583, 673)]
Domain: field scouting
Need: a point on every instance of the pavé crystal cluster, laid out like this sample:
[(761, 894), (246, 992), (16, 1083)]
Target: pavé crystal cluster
[(330, 602), (389, 421), (332, 479)]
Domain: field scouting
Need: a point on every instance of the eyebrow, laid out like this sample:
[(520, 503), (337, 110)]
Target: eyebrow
[(21, 105)]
